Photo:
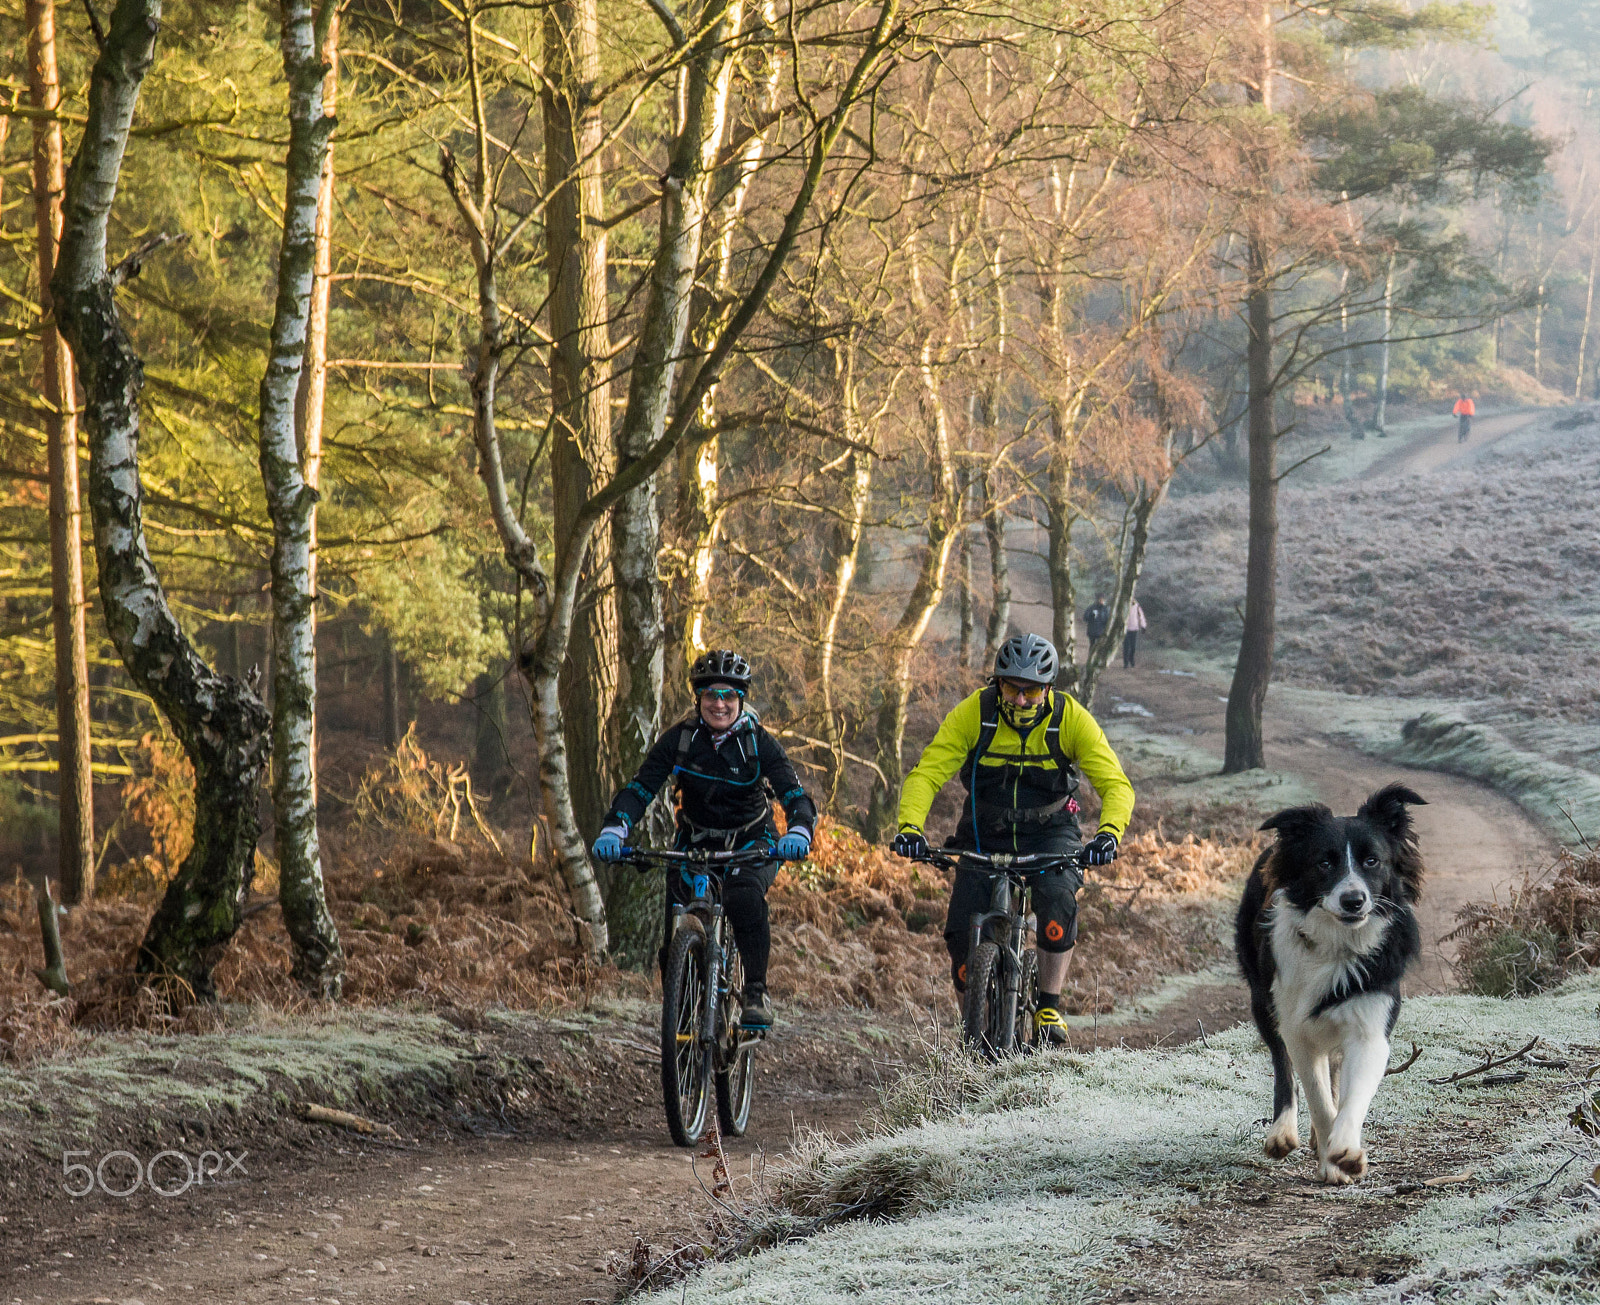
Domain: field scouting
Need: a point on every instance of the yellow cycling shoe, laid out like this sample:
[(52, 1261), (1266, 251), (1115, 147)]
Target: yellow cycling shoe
[(1049, 1029)]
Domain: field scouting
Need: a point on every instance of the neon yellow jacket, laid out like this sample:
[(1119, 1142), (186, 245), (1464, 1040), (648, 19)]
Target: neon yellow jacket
[(1082, 739)]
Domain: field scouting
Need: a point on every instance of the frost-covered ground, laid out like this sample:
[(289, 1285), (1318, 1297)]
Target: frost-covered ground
[(1138, 1174)]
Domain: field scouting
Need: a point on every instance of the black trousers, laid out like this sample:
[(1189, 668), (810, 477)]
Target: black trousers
[(1464, 429), (744, 898), (1130, 647), (1055, 903)]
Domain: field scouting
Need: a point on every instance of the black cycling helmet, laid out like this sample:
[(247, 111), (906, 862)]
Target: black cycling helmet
[(1027, 657), (720, 666)]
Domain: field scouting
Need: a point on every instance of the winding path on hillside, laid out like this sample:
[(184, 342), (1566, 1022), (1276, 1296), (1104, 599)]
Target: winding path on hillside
[(1476, 841), (1440, 450)]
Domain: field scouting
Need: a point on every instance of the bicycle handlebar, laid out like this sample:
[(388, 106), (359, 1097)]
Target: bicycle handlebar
[(1006, 862), (646, 858)]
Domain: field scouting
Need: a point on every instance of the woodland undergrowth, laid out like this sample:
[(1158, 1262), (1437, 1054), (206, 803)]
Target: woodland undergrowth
[(436, 907)]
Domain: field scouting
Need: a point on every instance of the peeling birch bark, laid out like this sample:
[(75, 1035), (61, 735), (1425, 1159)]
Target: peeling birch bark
[(288, 460), (701, 518), (222, 724)]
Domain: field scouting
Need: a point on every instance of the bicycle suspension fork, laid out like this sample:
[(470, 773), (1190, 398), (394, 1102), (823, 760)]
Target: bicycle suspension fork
[(714, 941)]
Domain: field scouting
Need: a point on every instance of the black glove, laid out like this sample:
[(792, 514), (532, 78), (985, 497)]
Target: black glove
[(1101, 849), (910, 843)]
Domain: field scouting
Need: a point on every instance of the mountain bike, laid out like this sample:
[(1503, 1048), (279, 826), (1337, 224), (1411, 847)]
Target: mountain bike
[(1002, 994), (705, 1048)]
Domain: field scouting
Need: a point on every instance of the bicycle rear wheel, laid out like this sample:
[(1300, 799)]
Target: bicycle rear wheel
[(685, 1061), (736, 1072), (985, 1018)]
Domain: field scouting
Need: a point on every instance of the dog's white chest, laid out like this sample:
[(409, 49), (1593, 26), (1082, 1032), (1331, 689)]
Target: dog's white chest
[(1318, 957)]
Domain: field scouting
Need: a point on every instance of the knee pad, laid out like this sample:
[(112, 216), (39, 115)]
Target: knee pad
[(1056, 906)]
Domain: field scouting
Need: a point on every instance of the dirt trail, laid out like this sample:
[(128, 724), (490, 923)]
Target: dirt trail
[(1440, 450), (489, 1220), (1474, 839)]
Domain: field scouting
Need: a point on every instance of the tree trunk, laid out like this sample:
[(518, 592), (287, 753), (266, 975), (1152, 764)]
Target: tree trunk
[(1380, 413), (222, 725), (1351, 420), (1058, 524), (846, 550), (944, 512), (636, 522), (394, 726), (581, 453), (994, 529), (290, 455), (1588, 313), (964, 592), (1136, 545), (76, 842), (1538, 305), (1253, 671), (699, 471)]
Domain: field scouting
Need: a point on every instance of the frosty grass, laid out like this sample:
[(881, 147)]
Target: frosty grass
[(1059, 1162)]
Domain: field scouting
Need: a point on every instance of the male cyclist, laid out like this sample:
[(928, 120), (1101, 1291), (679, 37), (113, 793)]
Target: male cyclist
[(727, 769), (1018, 745)]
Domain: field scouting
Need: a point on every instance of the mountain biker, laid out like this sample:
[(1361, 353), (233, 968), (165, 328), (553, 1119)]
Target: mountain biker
[(727, 768), (1018, 745), (1465, 410)]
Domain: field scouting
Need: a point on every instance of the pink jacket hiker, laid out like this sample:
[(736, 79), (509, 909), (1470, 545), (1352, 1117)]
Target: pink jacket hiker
[(1136, 621)]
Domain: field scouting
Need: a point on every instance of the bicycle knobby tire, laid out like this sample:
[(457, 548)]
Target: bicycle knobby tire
[(988, 1024), (685, 1060)]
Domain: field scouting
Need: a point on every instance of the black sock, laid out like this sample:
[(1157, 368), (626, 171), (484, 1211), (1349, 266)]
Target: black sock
[(1049, 1001)]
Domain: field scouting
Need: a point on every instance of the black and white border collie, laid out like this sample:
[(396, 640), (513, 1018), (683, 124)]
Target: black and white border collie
[(1324, 933)]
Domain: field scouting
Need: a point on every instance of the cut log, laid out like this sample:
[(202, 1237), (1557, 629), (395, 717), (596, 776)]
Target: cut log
[(315, 1114)]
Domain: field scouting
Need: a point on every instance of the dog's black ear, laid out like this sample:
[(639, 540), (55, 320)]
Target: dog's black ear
[(1297, 822), (1387, 810)]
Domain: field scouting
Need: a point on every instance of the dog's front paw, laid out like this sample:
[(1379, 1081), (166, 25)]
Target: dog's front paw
[(1350, 1161), (1282, 1140), (1329, 1172)]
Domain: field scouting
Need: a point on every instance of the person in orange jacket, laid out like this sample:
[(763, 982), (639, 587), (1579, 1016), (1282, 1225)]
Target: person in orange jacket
[(1465, 410)]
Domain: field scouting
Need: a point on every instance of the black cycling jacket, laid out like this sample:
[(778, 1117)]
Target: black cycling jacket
[(723, 792)]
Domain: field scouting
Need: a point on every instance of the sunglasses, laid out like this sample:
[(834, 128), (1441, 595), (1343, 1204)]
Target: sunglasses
[(721, 695), (1024, 692)]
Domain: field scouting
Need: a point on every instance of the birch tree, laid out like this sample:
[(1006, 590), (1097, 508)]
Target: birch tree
[(289, 455), (662, 413), (220, 722)]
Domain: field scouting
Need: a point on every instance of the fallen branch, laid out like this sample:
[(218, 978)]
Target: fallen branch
[(1401, 1069), (1489, 1062), (314, 1114), (1409, 1188), (1503, 1080)]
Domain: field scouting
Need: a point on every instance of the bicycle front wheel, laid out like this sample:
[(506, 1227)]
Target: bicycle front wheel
[(685, 1060), (1028, 996), (985, 1018)]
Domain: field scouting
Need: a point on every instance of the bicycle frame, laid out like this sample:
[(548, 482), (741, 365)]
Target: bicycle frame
[(706, 873), (1008, 880)]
